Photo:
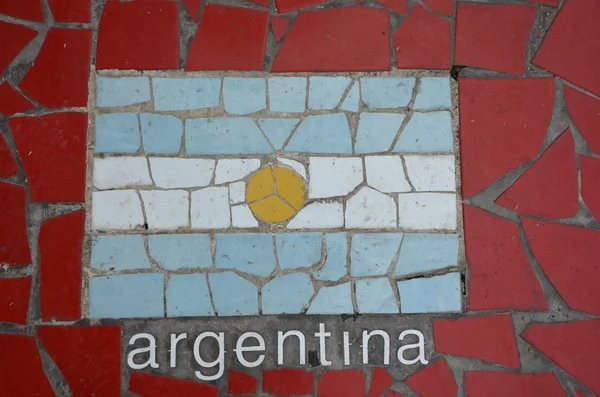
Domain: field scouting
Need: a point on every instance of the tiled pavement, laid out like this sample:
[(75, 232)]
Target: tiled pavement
[(528, 86)]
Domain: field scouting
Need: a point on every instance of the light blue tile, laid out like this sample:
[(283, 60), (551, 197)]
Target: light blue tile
[(325, 133), (427, 132), (287, 294), (244, 95), (119, 252), (180, 251), (225, 135), (332, 300), (287, 94), (424, 252), (387, 92), (233, 295), (278, 130), (161, 134), (250, 253), (371, 254), (325, 93), (434, 294), (335, 268), (117, 133), (187, 295), (433, 92), (376, 131), (375, 295), (127, 296), (296, 250), (121, 91), (352, 101), (172, 93)]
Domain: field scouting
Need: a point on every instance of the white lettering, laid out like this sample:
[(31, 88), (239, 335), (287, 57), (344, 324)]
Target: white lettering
[(150, 349), (301, 341), (386, 345), (173, 351), (420, 345), (347, 345), (220, 361), (240, 349), (322, 335)]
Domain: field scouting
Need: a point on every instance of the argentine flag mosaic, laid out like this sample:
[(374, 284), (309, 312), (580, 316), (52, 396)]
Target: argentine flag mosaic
[(273, 194)]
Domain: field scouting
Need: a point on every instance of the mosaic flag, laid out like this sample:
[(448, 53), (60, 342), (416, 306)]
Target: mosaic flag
[(274, 194)]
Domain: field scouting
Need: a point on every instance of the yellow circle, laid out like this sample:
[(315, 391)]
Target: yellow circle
[(275, 194)]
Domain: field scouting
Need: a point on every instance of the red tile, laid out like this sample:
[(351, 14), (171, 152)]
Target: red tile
[(488, 338), (435, 380), (193, 8), (284, 6), (569, 257), (508, 384), (286, 381), (139, 35), (264, 3), (229, 38), (52, 150), (442, 6), (12, 101), (70, 10), (88, 357), (341, 383), (338, 39), (549, 187), (380, 382), (8, 165), (59, 76), (571, 48), (590, 189), (548, 2), (60, 244), (493, 36), (14, 300), (21, 372), (161, 386), (279, 25), (13, 38), (500, 275), (579, 392), (394, 394), (422, 41), (494, 114), (23, 9), (398, 6), (241, 383), (572, 346), (14, 245), (585, 112)]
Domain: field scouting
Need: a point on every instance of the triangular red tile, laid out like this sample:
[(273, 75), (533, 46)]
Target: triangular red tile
[(380, 382), (13, 38), (241, 383), (435, 380), (585, 111), (21, 371), (398, 6), (590, 188), (480, 384), (569, 257), (11, 100), (279, 25), (30, 10), (193, 8), (573, 346), (549, 187)]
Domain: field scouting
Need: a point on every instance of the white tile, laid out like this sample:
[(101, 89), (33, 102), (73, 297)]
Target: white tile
[(295, 165), (386, 174), (237, 192), (171, 173), (210, 208), (427, 211), (333, 176), (241, 216), (166, 209), (116, 172), (369, 208), (229, 170), (319, 216), (431, 173), (116, 209)]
